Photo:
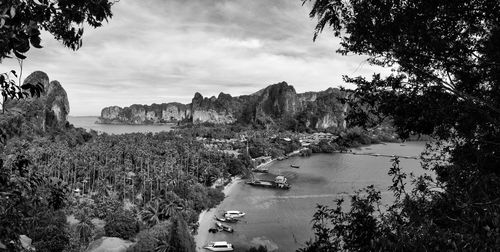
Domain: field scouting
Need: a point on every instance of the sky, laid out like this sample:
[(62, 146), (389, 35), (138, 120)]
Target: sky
[(159, 51)]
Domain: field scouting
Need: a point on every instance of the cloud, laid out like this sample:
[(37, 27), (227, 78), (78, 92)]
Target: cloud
[(155, 51), (239, 43)]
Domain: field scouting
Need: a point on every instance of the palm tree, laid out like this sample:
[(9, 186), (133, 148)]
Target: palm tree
[(84, 230), (163, 245), (173, 208), (153, 213)]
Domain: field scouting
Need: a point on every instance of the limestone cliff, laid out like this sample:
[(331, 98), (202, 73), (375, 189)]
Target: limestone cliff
[(223, 109), (323, 109), (278, 100), (144, 114), (50, 110), (56, 105), (270, 105)]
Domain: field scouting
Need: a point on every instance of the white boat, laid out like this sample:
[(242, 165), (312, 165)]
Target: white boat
[(223, 227), (234, 214), (219, 246)]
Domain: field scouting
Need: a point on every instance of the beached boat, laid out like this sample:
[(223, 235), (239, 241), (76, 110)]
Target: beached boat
[(219, 246), (234, 214), (226, 219), (261, 170), (223, 227), (279, 182)]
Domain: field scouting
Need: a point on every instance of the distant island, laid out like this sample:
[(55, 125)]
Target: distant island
[(277, 103)]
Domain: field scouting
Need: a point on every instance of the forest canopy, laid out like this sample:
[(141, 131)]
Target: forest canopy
[(445, 57)]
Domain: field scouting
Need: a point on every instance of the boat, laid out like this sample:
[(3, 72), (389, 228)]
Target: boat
[(294, 166), (279, 182), (234, 214), (261, 170), (223, 227), (219, 246), (226, 219)]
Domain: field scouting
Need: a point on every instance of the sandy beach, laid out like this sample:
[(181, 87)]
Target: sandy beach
[(206, 218)]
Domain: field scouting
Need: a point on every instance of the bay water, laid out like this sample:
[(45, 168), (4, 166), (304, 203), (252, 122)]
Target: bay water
[(281, 219), (89, 123)]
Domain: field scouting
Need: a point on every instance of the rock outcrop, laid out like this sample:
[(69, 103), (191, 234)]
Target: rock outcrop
[(270, 105), (144, 114), (277, 101), (50, 110), (221, 110), (56, 105)]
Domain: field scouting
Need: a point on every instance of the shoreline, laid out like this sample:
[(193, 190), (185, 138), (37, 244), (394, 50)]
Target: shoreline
[(206, 216), (232, 194), (291, 154)]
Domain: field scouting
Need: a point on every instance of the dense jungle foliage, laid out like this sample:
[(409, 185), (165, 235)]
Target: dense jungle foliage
[(160, 177), (133, 186), (445, 83)]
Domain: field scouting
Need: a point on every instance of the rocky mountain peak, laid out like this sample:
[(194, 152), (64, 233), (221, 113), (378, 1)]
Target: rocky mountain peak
[(50, 110), (270, 104)]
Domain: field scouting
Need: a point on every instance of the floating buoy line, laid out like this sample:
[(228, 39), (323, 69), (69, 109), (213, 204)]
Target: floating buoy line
[(378, 155)]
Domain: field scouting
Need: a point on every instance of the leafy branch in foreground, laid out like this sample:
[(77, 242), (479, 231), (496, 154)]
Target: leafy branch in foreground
[(21, 22), (10, 90), (445, 57)]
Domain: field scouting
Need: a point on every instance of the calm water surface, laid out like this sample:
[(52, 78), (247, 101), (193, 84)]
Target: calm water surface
[(88, 122), (281, 219)]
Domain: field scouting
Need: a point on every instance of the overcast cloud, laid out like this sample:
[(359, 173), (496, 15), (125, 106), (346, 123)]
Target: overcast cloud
[(155, 51)]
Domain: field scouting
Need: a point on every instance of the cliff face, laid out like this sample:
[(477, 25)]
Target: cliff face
[(143, 114), (57, 105), (324, 109), (270, 105), (224, 109), (319, 110), (50, 110), (277, 101)]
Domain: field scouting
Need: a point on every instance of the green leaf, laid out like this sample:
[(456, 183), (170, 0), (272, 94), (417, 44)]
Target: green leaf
[(27, 86), (19, 55), (35, 42)]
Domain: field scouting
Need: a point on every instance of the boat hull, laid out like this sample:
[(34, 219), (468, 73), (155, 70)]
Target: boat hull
[(268, 184)]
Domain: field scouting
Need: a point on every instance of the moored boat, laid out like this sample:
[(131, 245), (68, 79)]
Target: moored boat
[(234, 214), (261, 170), (227, 219), (219, 246), (294, 166), (223, 227), (279, 182)]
